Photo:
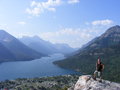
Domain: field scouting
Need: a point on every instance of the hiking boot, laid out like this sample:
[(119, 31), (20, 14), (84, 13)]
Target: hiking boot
[(94, 77)]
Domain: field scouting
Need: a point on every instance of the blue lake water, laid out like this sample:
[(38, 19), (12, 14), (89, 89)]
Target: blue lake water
[(35, 68)]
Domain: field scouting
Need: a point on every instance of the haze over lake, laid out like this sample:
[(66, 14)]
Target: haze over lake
[(35, 68)]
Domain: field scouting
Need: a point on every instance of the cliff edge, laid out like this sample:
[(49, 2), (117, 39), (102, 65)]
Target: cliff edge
[(86, 82)]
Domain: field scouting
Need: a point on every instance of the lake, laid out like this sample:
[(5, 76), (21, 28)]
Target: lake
[(35, 68)]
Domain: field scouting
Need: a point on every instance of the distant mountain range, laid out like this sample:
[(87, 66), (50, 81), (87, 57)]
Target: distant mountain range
[(106, 47), (11, 49), (64, 48), (46, 47), (28, 48)]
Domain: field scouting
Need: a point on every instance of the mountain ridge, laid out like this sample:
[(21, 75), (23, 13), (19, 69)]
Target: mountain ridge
[(46, 47), (106, 48), (16, 48)]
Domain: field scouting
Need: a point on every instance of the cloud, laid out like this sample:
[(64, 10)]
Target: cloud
[(73, 1), (4, 26), (102, 22), (20, 35), (73, 37), (22, 23), (36, 7)]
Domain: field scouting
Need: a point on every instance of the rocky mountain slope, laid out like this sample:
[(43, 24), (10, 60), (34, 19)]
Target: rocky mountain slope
[(65, 82), (106, 47), (86, 82), (44, 83)]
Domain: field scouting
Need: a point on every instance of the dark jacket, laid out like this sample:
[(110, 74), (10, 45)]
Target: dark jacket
[(99, 67)]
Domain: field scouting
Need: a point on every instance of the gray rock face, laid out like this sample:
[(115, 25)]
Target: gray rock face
[(86, 82)]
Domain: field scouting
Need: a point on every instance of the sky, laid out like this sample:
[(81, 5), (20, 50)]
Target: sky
[(74, 22)]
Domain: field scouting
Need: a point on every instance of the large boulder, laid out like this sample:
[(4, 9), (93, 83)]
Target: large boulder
[(86, 82)]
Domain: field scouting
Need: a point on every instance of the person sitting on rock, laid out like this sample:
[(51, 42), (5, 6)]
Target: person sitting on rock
[(99, 69)]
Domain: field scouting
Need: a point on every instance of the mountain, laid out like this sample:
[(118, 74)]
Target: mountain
[(106, 47), (5, 54), (63, 82), (86, 82), (45, 47), (16, 49), (64, 48), (39, 45)]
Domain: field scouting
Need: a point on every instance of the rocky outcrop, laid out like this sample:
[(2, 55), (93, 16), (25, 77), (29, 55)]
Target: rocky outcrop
[(86, 82)]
